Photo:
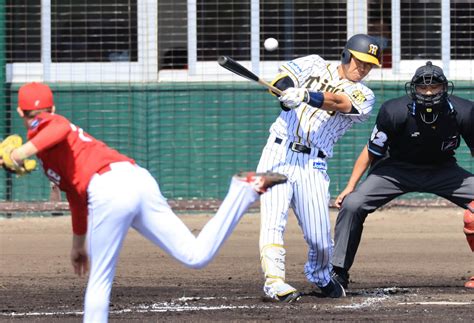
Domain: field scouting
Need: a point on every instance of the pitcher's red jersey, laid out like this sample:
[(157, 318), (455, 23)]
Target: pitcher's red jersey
[(70, 157)]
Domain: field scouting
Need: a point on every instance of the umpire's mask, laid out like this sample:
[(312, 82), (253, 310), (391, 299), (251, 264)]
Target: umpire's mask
[(429, 90)]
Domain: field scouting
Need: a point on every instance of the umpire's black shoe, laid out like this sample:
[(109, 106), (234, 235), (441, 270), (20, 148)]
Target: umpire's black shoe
[(334, 289), (341, 275)]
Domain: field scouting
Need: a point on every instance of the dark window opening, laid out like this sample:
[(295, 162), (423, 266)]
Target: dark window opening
[(23, 31), (303, 28), (94, 31)]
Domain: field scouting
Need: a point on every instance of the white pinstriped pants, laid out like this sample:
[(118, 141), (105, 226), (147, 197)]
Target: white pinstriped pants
[(128, 196), (307, 193)]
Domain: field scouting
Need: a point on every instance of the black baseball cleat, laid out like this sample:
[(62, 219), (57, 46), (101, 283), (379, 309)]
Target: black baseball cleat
[(333, 289), (261, 181), (279, 291), (288, 298), (341, 275)]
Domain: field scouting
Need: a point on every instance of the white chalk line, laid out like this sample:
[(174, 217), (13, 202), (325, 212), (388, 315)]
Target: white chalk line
[(178, 305), (437, 303), (369, 302), (375, 297), (379, 296)]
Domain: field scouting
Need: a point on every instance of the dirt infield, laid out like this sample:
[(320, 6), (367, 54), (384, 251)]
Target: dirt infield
[(411, 266)]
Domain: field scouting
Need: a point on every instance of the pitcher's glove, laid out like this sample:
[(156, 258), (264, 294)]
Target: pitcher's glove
[(11, 143)]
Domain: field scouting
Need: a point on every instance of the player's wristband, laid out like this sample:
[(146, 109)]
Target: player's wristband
[(316, 99)]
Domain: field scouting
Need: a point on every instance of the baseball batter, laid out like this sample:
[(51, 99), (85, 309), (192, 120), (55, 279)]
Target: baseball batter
[(108, 193), (321, 101), (411, 149)]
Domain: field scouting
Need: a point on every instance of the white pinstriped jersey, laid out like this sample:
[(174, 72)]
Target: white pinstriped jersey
[(307, 188), (316, 127)]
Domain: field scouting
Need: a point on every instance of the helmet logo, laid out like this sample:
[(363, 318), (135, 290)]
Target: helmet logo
[(373, 49)]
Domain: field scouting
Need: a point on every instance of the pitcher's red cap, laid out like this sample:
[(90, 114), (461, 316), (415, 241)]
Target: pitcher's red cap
[(35, 96)]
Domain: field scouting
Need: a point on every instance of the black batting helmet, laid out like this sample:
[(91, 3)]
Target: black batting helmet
[(363, 47)]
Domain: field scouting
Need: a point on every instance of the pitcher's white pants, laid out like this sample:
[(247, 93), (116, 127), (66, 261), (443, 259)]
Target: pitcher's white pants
[(128, 196)]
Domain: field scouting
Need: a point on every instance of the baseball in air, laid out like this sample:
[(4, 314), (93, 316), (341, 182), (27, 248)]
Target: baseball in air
[(270, 44)]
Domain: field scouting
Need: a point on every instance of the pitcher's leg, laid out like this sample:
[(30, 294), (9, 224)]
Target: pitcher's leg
[(240, 197), (104, 248), (159, 224), (111, 210)]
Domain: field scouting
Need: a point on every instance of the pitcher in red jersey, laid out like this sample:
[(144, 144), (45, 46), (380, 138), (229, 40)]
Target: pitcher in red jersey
[(108, 193)]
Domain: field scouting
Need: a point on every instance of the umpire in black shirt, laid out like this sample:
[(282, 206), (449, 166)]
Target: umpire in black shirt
[(411, 149)]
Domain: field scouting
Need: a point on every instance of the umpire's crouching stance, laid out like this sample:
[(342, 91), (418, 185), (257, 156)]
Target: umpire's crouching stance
[(411, 149)]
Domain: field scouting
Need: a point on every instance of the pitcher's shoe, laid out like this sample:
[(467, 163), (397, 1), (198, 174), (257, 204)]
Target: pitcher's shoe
[(281, 292), (470, 283), (261, 181), (333, 289)]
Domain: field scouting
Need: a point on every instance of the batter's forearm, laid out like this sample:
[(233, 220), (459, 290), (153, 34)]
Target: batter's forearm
[(292, 98), (336, 102)]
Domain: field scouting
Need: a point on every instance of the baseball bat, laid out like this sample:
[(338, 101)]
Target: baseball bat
[(233, 66)]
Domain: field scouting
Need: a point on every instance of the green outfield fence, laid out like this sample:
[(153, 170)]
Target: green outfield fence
[(192, 136), (142, 75)]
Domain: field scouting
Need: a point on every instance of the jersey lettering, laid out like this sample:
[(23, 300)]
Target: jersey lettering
[(323, 87), (295, 67), (318, 127), (378, 138), (310, 81), (53, 176), (321, 165), (81, 134)]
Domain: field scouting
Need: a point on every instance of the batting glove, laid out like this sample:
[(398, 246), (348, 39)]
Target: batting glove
[(292, 97)]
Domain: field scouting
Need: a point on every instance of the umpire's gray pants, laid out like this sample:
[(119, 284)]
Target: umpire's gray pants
[(387, 180)]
